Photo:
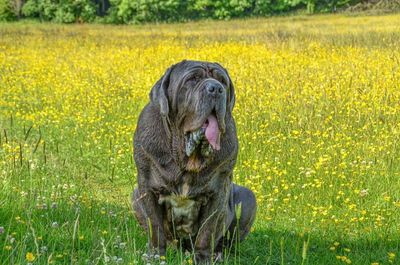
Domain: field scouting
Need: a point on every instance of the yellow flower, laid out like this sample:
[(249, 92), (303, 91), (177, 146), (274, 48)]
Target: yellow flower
[(392, 256), (30, 257)]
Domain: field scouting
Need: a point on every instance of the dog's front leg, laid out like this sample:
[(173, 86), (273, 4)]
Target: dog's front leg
[(212, 226), (154, 223)]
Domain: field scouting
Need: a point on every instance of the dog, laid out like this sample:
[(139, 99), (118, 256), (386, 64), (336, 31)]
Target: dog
[(185, 149)]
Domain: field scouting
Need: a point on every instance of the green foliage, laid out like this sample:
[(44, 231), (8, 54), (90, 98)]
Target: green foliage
[(6, 11), (77, 10), (63, 11), (31, 9), (139, 11), (136, 11), (222, 9)]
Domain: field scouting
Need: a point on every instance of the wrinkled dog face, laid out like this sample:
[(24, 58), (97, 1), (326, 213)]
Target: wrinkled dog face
[(194, 98)]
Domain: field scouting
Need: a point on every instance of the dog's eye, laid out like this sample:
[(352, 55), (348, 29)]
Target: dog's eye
[(195, 78), (221, 80)]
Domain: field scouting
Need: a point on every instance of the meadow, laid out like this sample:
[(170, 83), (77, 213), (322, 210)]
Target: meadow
[(318, 117)]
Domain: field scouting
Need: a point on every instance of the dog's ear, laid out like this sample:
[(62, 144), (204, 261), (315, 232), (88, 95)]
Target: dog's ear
[(231, 89), (231, 94), (159, 93), (159, 97)]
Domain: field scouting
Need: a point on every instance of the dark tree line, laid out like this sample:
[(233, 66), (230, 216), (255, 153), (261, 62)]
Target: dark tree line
[(137, 11)]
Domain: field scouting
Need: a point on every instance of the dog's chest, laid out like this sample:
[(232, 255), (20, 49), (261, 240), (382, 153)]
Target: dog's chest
[(183, 207), (184, 188)]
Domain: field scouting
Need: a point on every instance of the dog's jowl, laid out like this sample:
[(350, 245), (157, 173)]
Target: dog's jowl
[(185, 148)]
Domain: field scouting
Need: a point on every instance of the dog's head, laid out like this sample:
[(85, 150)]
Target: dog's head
[(194, 99)]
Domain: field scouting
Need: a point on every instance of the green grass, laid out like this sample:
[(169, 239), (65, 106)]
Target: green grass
[(318, 119)]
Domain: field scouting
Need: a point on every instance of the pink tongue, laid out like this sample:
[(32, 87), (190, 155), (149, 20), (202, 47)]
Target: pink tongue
[(212, 132)]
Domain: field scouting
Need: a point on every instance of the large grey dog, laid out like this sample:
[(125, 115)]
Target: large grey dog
[(185, 148)]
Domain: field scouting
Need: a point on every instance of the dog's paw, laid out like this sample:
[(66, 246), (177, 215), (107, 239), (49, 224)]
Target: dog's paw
[(152, 259), (202, 259)]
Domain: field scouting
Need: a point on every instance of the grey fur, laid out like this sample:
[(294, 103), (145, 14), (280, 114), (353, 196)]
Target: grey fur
[(185, 188)]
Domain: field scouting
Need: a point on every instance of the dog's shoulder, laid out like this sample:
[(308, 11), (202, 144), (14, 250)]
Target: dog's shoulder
[(150, 135)]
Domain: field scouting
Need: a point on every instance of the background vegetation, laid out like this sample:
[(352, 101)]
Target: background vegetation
[(318, 120), (138, 11)]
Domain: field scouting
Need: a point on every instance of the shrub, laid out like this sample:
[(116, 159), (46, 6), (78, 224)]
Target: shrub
[(63, 11), (7, 12)]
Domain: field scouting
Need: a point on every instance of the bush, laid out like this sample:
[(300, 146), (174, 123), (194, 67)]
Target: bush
[(30, 9), (7, 12), (138, 11), (75, 11), (63, 11)]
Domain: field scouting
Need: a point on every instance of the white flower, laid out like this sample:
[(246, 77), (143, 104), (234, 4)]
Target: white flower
[(364, 192)]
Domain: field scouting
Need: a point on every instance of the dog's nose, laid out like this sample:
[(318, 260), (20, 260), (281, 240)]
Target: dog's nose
[(214, 89)]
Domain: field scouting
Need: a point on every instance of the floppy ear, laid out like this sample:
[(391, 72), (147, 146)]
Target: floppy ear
[(231, 90), (158, 94), (231, 95)]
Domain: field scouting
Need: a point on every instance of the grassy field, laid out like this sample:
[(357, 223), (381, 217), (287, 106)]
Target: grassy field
[(318, 116)]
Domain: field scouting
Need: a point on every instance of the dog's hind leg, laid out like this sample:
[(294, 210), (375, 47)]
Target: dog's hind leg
[(237, 229), (244, 198)]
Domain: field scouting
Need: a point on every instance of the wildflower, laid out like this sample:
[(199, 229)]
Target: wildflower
[(30, 257), (43, 249), (11, 239), (391, 257), (1, 230), (363, 192)]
